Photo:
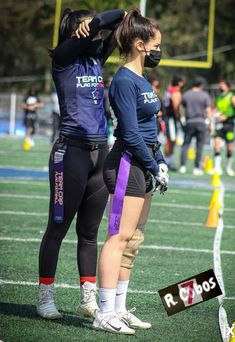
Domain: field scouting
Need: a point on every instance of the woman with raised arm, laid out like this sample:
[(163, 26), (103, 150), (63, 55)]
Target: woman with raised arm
[(76, 160)]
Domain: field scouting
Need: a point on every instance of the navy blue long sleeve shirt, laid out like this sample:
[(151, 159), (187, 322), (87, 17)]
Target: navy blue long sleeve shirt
[(135, 105), (79, 82)]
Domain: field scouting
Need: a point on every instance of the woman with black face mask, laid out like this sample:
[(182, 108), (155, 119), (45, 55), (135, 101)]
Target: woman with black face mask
[(129, 169), (76, 160)]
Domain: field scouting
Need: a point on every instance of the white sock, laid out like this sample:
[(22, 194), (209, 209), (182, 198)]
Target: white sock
[(217, 162), (107, 300), (229, 162), (120, 302)]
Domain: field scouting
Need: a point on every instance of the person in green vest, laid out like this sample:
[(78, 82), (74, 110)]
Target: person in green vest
[(224, 126)]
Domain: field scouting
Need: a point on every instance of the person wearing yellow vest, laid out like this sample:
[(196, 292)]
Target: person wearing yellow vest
[(224, 127)]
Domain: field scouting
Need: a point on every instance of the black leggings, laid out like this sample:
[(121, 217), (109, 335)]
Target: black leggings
[(85, 194), (197, 130)]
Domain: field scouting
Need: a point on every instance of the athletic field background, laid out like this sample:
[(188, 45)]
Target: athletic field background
[(177, 246)]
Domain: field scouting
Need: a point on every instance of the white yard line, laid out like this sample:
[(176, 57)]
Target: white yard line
[(66, 286), (158, 204), (69, 286), (24, 213), (186, 206), (25, 168), (31, 181), (182, 223), (24, 196), (229, 298), (182, 192), (196, 193), (25, 182), (153, 247)]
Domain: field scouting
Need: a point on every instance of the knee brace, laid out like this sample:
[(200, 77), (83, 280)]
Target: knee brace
[(132, 248)]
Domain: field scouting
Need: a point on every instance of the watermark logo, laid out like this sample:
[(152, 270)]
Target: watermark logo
[(189, 292)]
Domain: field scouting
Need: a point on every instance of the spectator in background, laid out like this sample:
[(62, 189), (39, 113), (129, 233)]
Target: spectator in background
[(30, 105), (161, 118), (55, 116), (172, 100), (197, 104), (224, 127)]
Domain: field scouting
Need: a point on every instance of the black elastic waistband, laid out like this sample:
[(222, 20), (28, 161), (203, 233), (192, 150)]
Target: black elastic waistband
[(154, 147), (86, 145)]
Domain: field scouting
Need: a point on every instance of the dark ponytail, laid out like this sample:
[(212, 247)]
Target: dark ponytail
[(134, 26), (70, 21), (64, 24)]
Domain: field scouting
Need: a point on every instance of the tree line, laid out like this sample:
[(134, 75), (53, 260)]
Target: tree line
[(27, 28)]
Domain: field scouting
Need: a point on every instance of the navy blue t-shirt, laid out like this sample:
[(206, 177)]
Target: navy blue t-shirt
[(135, 105), (79, 82), (80, 91)]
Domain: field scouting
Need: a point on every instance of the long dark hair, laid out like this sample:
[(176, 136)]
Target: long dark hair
[(134, 26), (176, 79), (70, 21)]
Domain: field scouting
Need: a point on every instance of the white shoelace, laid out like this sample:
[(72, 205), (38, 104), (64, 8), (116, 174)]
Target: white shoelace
[(47, 296), (105, 321), (90, 295)]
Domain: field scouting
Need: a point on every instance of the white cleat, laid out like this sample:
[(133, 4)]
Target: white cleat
[(46, 305), (111, 322), (182, 169), (88, 306), (197, 172), (132, 321), (230, 172)]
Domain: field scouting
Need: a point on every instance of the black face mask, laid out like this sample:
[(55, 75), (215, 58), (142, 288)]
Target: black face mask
[(153, 59), (94, 48)]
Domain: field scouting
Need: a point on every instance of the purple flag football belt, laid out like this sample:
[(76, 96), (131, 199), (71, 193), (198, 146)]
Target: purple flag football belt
[(119, 193), (59, 185)]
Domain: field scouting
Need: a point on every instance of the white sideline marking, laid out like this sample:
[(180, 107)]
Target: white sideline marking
[(172, 248), (223, 320), (182, 223), (65, 286)]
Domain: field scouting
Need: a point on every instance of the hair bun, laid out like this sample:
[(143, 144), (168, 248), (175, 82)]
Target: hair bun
[(135, 12), (67, 11)]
